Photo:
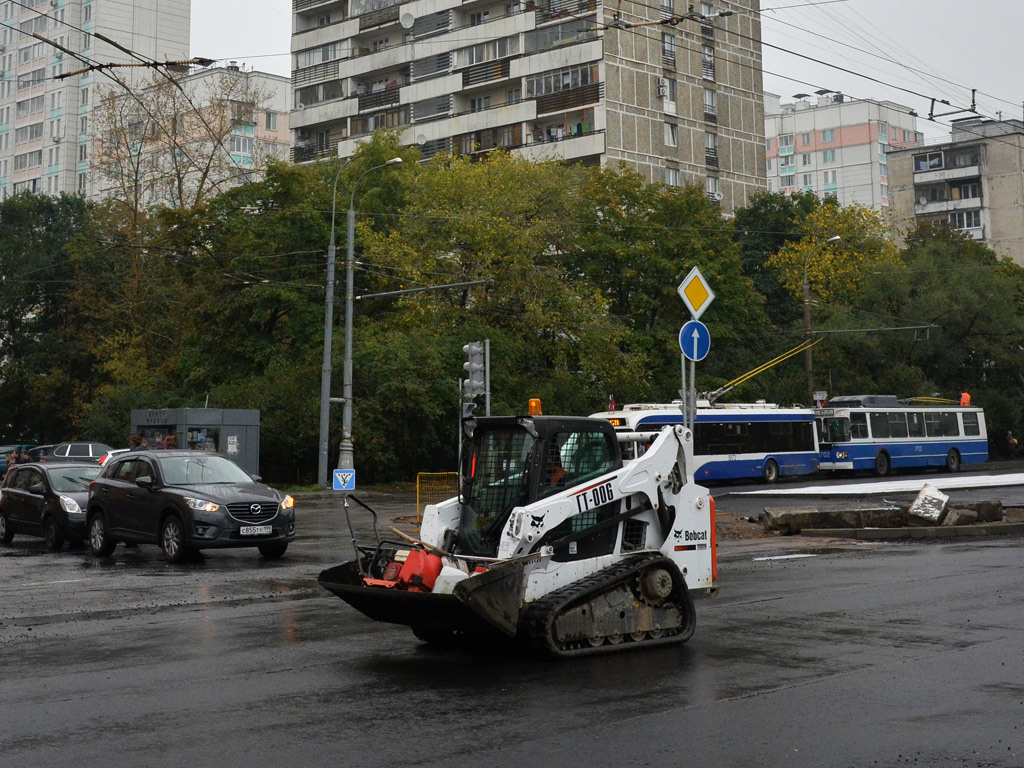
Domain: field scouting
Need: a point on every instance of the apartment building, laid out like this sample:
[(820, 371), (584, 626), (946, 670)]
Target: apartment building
[(834, 146), (672, 89), (974, 182), (44, 117), (179, 142)]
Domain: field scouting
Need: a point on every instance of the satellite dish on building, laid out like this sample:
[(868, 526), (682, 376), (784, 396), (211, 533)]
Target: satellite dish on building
[(421, 139), (923, 200), (407, 20)]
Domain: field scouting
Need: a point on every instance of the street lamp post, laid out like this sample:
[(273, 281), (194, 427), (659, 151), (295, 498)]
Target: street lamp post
[(808, 368), (325, 372), (345, 460)]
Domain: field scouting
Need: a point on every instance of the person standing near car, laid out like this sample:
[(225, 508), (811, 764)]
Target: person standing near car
[(23, 457)]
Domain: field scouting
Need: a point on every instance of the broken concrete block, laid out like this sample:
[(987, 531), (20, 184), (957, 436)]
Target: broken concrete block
[(988, 511), (959, 516), (929, 506)]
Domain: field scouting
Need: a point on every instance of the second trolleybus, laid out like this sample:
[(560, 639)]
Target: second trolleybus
[(881, 433)]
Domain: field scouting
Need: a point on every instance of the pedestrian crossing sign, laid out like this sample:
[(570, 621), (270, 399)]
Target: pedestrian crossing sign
[(344, 479)]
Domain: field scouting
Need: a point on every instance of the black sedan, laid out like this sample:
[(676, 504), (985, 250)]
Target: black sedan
[(185, 501), (45, 500)]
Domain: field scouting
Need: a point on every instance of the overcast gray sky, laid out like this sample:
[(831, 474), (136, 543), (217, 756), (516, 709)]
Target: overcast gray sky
[(915, 50)]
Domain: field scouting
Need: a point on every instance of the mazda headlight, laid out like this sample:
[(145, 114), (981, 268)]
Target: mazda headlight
[(70, 505), (287, 502), (201, 505)]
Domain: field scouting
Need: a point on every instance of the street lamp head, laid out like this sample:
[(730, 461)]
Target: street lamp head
[(834, 239), (394, 161)]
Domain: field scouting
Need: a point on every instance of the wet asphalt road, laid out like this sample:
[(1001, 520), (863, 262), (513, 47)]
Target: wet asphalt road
[(858, 655)]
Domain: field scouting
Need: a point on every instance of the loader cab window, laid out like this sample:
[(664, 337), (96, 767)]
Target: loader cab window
[(494, 474), (577, 457)]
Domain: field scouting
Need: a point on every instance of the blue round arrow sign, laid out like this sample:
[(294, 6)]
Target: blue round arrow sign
[(695, 340)]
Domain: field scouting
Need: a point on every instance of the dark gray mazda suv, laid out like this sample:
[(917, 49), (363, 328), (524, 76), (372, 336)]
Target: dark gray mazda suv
[(185, 501)]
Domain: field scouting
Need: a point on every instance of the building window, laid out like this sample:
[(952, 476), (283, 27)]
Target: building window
[(883, 131), (669, 105), (885, 190), (83, 125), (710, 101), (786, 140), (81, 183), (805, 158), (672, 177), (479, 103), (830, 177), (906, 136), (271, 124), (883, 170), (671, 135), (82, 152), (768, 164), (967, 191), (805, 139), (788, 181), (668, 48), (928, 162), (713, 188), (965, 219), (706, 9), (964, 158), (808, 181), (828, 135), (828, 156), (241, 144), (86, 13)]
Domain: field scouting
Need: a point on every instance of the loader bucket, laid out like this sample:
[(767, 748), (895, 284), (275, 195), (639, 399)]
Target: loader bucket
[(425, 612)]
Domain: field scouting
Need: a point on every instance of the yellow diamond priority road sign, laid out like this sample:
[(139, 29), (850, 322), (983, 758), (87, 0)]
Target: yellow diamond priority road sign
[(696, 293)]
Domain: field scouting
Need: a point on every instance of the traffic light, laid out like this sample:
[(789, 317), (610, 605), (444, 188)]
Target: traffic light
[(467, 409), (474, 384)]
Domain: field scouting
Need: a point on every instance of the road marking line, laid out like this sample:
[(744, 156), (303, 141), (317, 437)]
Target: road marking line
[(781, 557)]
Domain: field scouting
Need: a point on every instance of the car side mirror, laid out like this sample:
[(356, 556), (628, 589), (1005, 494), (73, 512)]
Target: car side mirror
[(257, 478), (144, 482)]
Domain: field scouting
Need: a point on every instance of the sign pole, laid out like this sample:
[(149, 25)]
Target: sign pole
[(693, 394), (684, 392)]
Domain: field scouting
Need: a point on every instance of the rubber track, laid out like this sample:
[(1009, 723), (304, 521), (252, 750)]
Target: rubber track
[(538, 623)]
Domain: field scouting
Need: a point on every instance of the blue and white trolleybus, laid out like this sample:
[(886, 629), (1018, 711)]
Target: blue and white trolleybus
[(881, 433), (732, 441)]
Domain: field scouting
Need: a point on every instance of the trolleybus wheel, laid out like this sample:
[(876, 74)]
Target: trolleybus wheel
[(771, 471), (953, 460), (882, 464)]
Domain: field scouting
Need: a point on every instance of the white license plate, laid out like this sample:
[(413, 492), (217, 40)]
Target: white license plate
[(255, 530)]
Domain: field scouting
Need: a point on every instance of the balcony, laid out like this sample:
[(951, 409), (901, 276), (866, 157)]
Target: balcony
[(485, 73), (315, 74), (945, 206), (571, 99), (668, 59), (708, 70), (559, 9), (378, 18), (305, 154), (711, 157), (710, 115), (383, 98)]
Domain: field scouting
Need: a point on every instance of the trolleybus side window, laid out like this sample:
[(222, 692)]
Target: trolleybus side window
[(879, 424), (932, 424), (971, 426), (897, 424), (858, 425), (915, 423), (950, 424)]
